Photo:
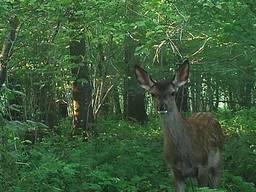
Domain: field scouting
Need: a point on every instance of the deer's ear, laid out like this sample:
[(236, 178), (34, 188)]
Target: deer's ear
[(143, 78), (181, 75)]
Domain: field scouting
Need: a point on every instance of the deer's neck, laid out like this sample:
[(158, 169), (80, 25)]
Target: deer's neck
[(178, 142), (175, 128)]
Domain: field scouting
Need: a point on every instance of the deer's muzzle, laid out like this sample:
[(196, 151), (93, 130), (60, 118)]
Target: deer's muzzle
[(162, 109)]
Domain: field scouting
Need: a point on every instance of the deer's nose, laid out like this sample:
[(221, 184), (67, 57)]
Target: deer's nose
[(162, 108)]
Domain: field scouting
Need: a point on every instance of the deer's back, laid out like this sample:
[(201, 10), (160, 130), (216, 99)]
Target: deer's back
[(206, 130)]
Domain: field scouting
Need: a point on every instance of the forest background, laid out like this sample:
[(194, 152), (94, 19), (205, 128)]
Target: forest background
[(72, 117)]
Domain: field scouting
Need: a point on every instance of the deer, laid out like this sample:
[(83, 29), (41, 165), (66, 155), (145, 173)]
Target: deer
[(193, 145)]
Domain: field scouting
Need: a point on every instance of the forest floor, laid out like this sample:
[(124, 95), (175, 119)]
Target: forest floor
[(124, 156)]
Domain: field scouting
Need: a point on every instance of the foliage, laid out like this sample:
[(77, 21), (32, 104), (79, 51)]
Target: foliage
[(217, 36), (240, 150), (236, 183), (36, 150), (123, 157)]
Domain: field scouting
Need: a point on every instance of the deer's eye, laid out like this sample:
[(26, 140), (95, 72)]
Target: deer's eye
[(172, 93)]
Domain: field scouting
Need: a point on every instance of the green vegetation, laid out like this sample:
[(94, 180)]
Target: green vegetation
[(124, 156), (69, 100), (240, 149)]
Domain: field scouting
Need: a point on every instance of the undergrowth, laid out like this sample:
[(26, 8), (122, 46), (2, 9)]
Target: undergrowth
[(124, 156), (240, 147)]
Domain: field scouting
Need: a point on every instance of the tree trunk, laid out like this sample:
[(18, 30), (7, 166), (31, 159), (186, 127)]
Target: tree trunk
[(198, 93), (47, 106), (82, 89), (135, 98), (217, 97), (117, 105), (210, 93), (231, 101), (102, 73), (247, 87), (182, 100), (193, 98), (7, 48)]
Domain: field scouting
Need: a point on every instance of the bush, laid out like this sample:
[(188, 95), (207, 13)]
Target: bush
[(123, 157), (240, 147)]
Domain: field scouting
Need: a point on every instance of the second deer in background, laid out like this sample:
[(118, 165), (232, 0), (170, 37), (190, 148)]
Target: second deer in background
[(192, 146)]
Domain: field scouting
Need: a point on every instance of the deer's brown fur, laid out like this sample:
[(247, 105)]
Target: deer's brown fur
[(192, 146)]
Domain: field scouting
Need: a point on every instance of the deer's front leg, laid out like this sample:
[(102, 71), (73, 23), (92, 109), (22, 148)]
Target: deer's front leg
[(202, 176), (179, 181), (214, 177), (179, 185)]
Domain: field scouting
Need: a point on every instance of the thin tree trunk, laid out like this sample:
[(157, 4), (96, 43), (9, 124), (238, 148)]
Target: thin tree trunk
[(182, 100), (217, 97), (230, 102), (193, 98), (7, 48), (198, 93), (102, 72), (210, 94), (117, 105)]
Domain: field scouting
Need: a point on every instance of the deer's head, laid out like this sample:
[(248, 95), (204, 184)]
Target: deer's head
[(164, 91)]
